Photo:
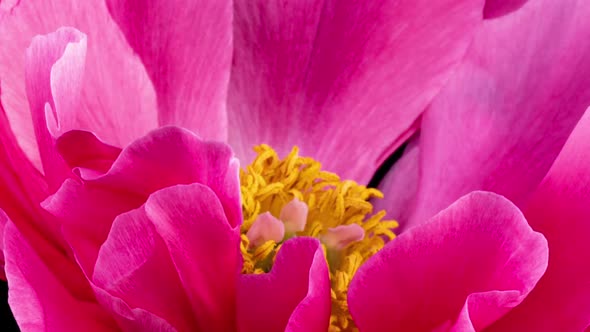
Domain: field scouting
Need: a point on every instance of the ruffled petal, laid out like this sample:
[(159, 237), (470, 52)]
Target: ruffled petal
[(462, 270), (560, 210), (180, 239), (166, 157), (53, 72), (204, 248), (502, 119), (117, 100), (186, 47), (293, 296), (38, 300), (344, 81), (132, 266), (82, 149)]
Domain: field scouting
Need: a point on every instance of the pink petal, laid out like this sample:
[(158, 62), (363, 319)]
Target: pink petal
[(166, 157), (400, 184), (204, 248), (3, 221), (132, 319), (560, 210), (462, 270), (23, 187), (345, 81), (186, 47), (503, 118), (83, 149), (294, 296), (38, 300), (496, 8), (54, 68), (132, 267), (112, 71)]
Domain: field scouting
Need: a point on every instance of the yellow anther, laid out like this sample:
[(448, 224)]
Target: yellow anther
[(270, 183)]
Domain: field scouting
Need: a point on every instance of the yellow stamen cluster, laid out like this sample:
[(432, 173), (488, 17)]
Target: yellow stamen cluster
[(269, 183)]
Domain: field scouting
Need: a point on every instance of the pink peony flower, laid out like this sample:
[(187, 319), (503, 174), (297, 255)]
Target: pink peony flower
[(116, 218)]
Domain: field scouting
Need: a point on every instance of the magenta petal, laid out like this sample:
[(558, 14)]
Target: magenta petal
[(54, 68), (186, 47), (23, 186), (496, 8), (204, 248), (502, 119), (400, 184), (132, 319), (293, 296), (560, 209), (3, 222), (170, 156), (83, 149), (117, 101), (465, 268), (132, 267), (38, 300), (345, 81), (166, 157)]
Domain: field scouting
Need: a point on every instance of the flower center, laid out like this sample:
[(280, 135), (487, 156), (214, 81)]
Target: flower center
[(292, 197)]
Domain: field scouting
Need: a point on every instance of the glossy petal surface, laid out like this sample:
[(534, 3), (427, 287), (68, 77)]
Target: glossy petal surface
[(462, 270)]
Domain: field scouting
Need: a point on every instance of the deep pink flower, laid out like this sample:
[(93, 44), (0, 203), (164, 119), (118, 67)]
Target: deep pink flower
[(115, 218)]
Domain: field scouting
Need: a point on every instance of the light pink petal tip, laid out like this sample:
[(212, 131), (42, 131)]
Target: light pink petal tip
[(181, 239), (500, 122), (294, 296), (38, 300), (560, 210), (345, 81), (53, 70), (462, 270), (115, 97), (186, 47), (165, 157)]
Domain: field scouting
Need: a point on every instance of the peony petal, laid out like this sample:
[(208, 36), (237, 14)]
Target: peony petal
[(166, 157), (560, 210), (23, 187), (83, 149), (301, 67), (293, 296), (186, 47), (132, 266), (503, 118), (464, 269), (204, 248), (38, 300), (497, 8), (117, 101), (132, 319), (400, 184), (3, 222), (54, 67)]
